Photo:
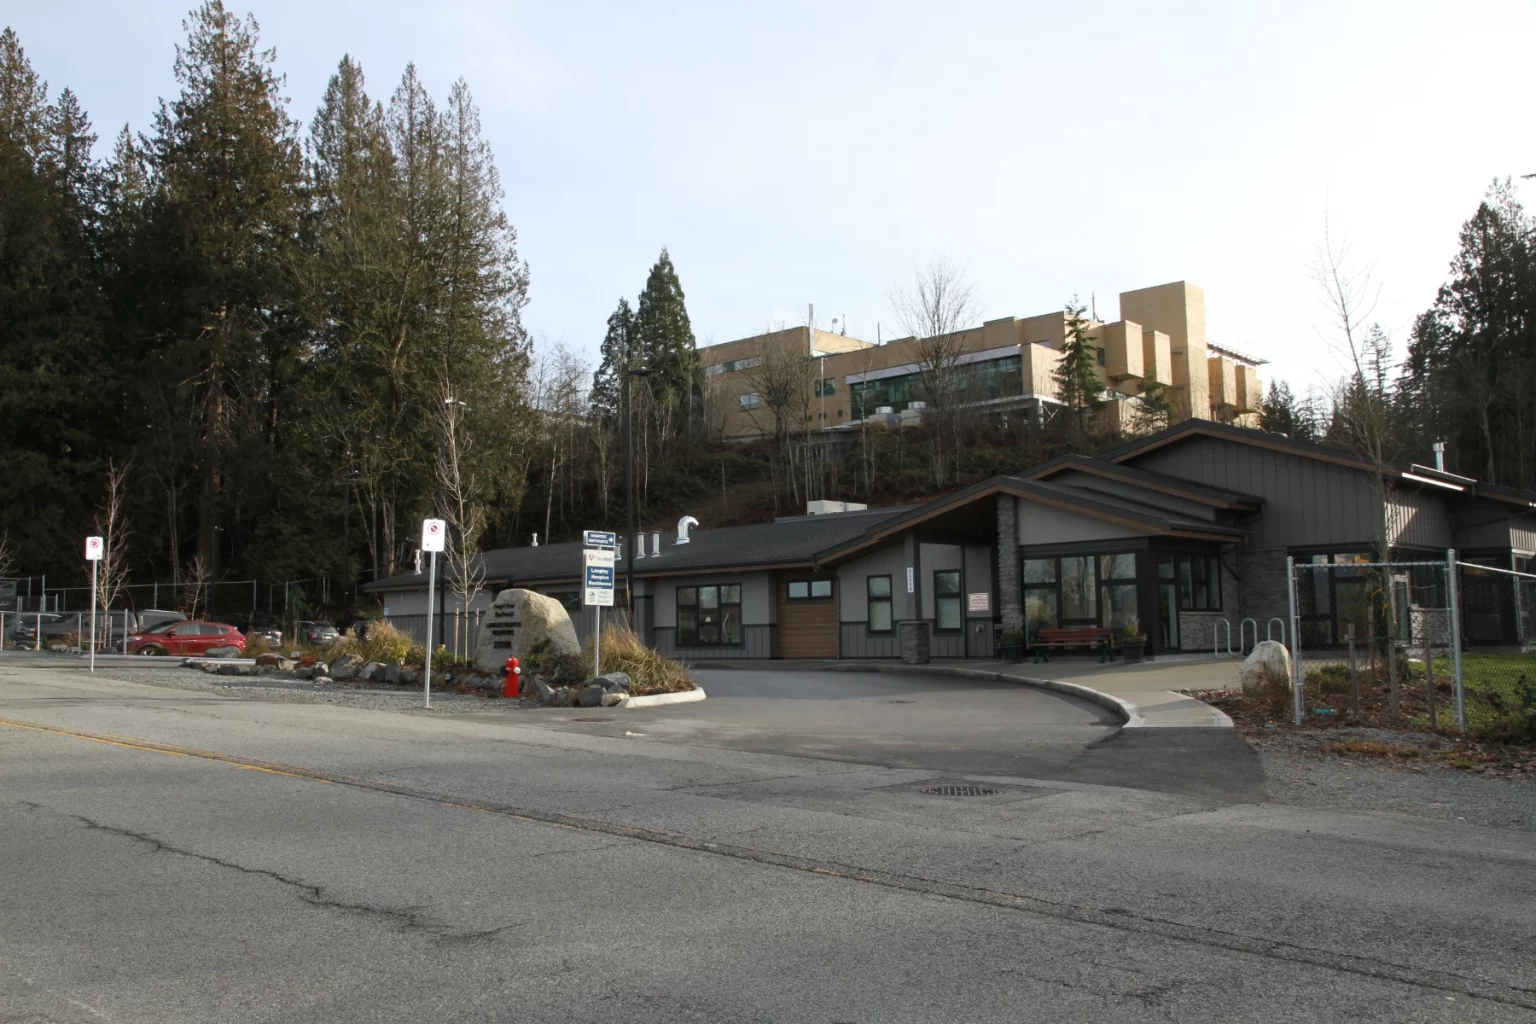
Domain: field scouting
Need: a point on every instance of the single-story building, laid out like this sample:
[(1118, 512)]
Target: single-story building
[(1186, 531)]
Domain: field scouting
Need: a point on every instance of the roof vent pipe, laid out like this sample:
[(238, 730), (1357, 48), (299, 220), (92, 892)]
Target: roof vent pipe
[(1440, 456), (639, 547), (656, 544), (535, 540), (682, 528)]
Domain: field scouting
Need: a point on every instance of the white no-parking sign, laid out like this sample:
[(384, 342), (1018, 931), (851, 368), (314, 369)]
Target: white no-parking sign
[(93, 549), (432, 533)]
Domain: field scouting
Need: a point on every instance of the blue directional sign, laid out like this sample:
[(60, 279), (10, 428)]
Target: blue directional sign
[(600, 539)]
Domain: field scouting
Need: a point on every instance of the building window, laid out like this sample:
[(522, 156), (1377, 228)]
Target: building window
[(1040, 604), (1198, 578), (1101, 356), (1117, 590), (946, 601), (709, 616), (1078, 590), (826, 386), (879, 603), (751, 400), (810, 590), (980, 381)]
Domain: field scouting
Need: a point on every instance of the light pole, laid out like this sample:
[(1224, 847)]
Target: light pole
[(629, 486)]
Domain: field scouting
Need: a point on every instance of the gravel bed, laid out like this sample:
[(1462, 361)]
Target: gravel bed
[(1297, 772), (302, 691)]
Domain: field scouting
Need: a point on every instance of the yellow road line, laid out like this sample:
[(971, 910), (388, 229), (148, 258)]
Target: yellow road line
[(153, 747)]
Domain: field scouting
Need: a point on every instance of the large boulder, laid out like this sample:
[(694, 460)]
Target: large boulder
[(372, 672), (591, 695), (613, 681), (527, 626), (346, 667), (1268, 662)]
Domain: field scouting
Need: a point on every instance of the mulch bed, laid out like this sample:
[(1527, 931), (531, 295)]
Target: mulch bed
[(1374, 734)]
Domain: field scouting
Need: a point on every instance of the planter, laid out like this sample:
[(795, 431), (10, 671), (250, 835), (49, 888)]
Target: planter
[(1133, 651), (1012, 654)]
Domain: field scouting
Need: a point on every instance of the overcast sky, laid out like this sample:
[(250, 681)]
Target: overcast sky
[(790, 153)]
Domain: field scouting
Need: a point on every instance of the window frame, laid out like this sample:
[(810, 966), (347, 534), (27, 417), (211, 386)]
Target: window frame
[(810, 595), (722, 609), (958, 597), (889, 600), (748, 406), (1183, 579)]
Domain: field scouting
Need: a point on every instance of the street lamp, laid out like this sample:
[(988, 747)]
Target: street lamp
[(629, 486)]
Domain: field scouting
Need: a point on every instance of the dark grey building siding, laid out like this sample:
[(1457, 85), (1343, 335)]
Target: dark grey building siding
[(855, 641), (1307, 503), (756, 642)]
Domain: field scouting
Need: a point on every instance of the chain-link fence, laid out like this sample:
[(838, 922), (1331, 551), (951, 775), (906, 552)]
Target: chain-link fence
[(1442, 643)]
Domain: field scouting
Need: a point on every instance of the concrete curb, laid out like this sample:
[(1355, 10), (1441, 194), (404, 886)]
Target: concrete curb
[(1128, 713), (658, 699)]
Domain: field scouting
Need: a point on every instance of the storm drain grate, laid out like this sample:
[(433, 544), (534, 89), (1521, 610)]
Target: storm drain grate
[(901, 702), (591, 719), (960, 791)]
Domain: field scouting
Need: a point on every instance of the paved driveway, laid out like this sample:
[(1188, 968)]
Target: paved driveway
[(937, 723)]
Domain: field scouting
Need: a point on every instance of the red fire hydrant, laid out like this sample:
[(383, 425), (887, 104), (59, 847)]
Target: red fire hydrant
[(511, 678)]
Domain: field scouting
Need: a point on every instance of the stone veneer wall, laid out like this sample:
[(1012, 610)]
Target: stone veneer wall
[(1010, 593), (1263, 593)]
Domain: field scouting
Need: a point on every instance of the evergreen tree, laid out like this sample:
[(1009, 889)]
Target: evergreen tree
[(608, 380), (218, 262), (1283, 413), (59, 392), (1076, 376), (664, 338)]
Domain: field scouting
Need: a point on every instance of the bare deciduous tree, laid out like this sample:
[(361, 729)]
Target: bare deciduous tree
[(460, 508), (195, 578), (7, 555), (781, 378), (936, 311), (112, 526), (1363, 410)]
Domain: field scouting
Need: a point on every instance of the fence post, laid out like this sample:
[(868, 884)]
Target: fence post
[(1429, 680), (1296, 674), (1455, 592)]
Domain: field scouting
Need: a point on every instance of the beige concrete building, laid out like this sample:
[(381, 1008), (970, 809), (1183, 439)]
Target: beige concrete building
[(799, 378)]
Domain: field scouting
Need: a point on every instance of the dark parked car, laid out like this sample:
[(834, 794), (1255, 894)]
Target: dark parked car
[(186, 638), (21, 628), (321, 634)]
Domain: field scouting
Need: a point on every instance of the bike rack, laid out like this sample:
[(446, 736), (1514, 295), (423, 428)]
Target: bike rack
[(1216, 639), (1269, 635), (1242, 634)]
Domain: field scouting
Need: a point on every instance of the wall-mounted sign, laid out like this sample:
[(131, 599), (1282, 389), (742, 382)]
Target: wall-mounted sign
[(911, 581), (979, 602)]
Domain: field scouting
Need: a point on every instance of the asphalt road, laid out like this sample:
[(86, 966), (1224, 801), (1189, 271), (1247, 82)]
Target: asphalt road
[(173, 856)]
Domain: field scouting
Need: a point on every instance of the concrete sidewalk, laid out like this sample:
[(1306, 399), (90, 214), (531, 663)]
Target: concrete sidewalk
[(1143, 695)]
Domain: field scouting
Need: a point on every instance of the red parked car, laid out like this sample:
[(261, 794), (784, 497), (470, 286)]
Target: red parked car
[(186, 638)]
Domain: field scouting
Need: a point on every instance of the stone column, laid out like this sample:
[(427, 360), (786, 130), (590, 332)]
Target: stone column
[(1010, 594)]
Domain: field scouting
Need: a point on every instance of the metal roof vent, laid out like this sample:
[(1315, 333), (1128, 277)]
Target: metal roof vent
[(656, 544), (682, 528)]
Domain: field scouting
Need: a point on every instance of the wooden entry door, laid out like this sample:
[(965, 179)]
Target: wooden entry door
[(807, 614)]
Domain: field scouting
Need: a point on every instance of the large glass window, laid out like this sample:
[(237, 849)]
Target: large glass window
[(1040, 605), (751, 400), (975, 382), (709, 616), (879, 604), (946, 600), (1198, 578), (1078, 598)]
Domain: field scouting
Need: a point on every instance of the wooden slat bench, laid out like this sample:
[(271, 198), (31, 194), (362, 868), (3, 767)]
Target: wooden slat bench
[(1099, 638)]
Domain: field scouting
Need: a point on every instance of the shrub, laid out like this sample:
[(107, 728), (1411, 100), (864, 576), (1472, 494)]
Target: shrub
[(649, 670), (1272, 692)]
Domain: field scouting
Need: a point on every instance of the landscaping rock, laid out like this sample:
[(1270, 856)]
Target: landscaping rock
[(542, 690), (392, 673), (521, 624), (274, 661), (371, 672), (1268, 655), (235, 670), (346, 667), (59, 648), (559, 696), (613, 697), (612, 681), (591, 695), (323, 680), (222, 652), (410, 676)]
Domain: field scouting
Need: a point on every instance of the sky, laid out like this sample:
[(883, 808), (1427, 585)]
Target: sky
[(821, 152)]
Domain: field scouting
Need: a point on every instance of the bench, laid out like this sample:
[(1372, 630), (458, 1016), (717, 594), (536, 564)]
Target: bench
[(1099, 638)]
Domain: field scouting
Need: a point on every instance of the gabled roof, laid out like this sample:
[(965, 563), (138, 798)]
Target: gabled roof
[(1178, 487), (1419, 475), (1108, 508), (1242, 435), (789, 542)]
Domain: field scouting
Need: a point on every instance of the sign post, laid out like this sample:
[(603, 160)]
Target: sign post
[(597, 588), (93, 552), (432, 534)]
